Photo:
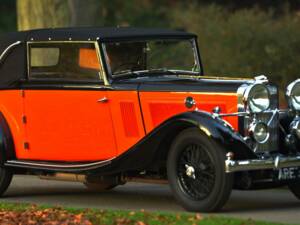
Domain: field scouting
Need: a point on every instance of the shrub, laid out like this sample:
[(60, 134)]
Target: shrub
[(245, 42)]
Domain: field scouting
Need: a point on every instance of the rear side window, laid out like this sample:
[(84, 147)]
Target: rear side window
[(43, 57), (64, 61)]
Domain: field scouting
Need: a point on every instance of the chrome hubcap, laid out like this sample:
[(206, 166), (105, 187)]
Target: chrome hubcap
[(190, 171)]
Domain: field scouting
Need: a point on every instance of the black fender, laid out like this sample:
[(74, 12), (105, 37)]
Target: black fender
[(7, 149), (156, 144)]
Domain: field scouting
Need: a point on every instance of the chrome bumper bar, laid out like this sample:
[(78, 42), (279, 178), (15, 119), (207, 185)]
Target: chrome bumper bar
[(260, 164)]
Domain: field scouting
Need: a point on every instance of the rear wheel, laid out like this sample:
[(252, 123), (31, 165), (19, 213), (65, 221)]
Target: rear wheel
[(196, 172), (5, 179), (295, 188)]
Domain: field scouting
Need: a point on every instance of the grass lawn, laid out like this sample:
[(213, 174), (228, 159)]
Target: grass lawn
[(11, 213)]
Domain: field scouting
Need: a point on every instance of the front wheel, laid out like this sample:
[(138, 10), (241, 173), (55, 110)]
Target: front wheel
[(5, 179), (196, 172)]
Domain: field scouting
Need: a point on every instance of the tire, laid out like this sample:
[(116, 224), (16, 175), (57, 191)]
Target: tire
[(100, 186), (5, 179), (295, 188), (196, 172)]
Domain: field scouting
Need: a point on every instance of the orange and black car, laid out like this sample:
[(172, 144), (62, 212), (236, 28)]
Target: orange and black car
[(106, 106)]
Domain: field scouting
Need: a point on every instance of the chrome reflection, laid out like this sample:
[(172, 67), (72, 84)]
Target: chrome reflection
[(293, 95)]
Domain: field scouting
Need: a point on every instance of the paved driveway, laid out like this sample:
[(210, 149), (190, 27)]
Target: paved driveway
[(270, 205)]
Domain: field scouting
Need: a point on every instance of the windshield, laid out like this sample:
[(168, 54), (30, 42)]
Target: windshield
[(152, 57)]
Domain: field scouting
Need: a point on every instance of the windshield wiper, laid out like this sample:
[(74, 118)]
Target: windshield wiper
[(125, 74), (154, 71), (168, 72), (139, 73), (160, 71), (185, 72)]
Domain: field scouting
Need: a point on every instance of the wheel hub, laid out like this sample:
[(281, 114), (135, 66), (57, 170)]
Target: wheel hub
[(190, 171), (196, 172)]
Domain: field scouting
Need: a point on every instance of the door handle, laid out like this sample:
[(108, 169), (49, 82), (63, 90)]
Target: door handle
[(103, 100)]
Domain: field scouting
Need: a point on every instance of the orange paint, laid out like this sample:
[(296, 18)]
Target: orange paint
[(71, 125), (127, 119), (11, 106), (68, 125), (159, 106)]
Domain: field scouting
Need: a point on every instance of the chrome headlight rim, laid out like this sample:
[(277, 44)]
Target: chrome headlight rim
[(293, 102), (249, 92), (254, 129)]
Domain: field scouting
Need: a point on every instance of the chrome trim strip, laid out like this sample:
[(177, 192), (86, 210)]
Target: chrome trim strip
[(240, 92), (274, 112), (103, 73), (9, 48), (51, 165), (196, 55), (233, 114), (261, 164), (89, 86)]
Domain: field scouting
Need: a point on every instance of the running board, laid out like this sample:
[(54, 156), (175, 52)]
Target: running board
[(57, 166)]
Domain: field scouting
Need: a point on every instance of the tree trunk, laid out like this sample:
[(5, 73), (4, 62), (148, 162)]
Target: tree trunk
[(34, 14)]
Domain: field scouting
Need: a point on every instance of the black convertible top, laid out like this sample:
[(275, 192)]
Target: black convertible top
[(13, 65), (98, 33), (107, 33)]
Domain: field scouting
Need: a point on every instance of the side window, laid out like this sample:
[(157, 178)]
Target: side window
[(64, 61), (43, 57)]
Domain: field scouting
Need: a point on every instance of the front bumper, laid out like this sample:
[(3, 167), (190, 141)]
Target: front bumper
[(260, 164)]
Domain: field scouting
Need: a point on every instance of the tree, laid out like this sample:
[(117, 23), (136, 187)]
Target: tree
[(7, 15), (33, 14)]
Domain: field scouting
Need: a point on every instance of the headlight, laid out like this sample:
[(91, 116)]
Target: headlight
[(260, 132), (293, 95), (257, 97)]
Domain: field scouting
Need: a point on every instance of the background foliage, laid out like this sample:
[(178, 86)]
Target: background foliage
[(236, 38)]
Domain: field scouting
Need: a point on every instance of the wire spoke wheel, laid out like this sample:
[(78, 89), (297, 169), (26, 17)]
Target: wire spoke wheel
[(196, 173)]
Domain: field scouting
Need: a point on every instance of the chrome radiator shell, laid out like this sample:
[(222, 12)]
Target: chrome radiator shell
[(267, 117)]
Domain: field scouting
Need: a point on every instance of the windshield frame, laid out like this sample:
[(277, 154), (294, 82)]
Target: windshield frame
[(194, 46)]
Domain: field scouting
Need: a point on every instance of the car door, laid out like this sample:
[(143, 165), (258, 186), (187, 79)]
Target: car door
[(66, 112)]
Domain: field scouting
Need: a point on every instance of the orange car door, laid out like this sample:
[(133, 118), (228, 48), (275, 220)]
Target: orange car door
[(68, 125), (67, 117)]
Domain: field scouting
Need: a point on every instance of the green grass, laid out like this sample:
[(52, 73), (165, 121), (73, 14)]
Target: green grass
[(139, 217)]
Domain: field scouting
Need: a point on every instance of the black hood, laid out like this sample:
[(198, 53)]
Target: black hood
[(173, 83)]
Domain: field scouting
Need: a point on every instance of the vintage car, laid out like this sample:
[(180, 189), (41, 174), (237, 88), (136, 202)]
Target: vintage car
[(106, 106)]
